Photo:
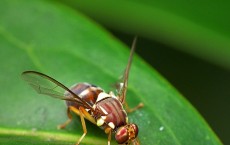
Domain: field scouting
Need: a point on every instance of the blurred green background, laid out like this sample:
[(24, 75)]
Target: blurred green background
[(188, 43)]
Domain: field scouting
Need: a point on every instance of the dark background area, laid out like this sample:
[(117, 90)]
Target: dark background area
[(205, 85)]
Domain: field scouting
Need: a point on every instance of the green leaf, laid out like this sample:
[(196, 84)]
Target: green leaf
[(62, 43)]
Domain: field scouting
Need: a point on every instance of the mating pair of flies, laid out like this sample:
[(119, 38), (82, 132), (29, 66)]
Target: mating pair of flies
[(92, 103)]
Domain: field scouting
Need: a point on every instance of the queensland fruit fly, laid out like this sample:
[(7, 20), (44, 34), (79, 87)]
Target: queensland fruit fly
[(92, 103)]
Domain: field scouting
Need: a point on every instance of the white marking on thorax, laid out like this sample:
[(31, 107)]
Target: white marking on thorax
[(111, 124), (100, 121), (102, 95), (103, 110)]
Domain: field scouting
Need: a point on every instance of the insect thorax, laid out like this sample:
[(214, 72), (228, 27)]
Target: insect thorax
[(107, 104), (115, 116)]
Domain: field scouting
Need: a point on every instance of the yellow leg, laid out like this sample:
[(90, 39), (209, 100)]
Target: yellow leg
[(109, 136), (129, 110), (109, 132), (81, 110), (61, 126), (83, 114)]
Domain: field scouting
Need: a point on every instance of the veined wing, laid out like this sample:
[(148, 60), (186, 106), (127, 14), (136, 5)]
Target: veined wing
[(44, 84)]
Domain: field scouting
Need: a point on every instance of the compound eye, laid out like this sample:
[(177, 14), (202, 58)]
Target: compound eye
[(135, 130), (122, 135)]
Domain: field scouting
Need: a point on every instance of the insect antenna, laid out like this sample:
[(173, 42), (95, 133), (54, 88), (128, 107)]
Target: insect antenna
[(126, 74)]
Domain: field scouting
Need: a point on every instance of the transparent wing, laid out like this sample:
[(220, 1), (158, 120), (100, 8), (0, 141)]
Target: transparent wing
[(44, 84), (122, 87)]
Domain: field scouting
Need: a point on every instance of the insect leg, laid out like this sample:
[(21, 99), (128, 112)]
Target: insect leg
[(76, 111), (61, 126), (136, 142), (129, 110), (109, 136), (82, 111), (109, 132)]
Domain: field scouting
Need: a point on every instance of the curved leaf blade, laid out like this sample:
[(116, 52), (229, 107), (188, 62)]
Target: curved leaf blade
[(86, 53)]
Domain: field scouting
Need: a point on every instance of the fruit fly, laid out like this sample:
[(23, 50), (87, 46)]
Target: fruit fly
[(92, 103)]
